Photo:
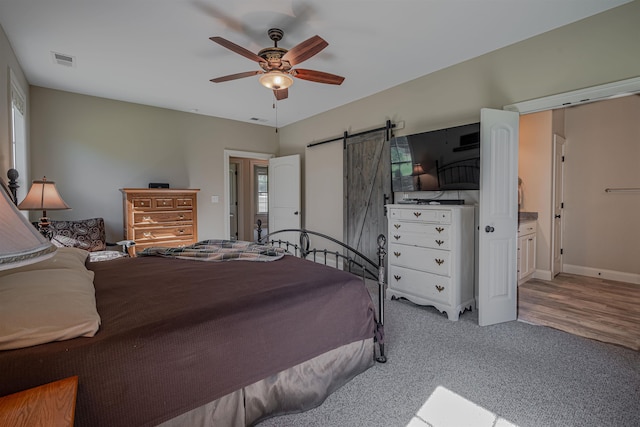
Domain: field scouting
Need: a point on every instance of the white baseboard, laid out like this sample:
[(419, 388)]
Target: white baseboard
[(619, 276)]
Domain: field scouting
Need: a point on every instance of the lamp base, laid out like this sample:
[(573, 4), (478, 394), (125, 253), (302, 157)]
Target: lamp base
[(44, 229)]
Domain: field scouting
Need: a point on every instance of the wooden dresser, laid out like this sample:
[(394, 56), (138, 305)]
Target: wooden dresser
[(160, 217)]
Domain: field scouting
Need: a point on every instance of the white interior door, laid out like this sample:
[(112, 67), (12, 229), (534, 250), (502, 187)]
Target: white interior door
[(558, 204), (284, 193), (498, 217)]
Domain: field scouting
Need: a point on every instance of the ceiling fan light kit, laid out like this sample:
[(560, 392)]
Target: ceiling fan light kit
[(275, 80), (277, 63)]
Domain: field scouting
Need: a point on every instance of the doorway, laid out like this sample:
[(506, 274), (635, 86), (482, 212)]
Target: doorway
[(242, 186)]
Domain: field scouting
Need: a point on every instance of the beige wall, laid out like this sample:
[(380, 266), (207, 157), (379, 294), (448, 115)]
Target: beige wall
[(594, 51), (92, 147), (8, 61), (535, 167), (602, 231)]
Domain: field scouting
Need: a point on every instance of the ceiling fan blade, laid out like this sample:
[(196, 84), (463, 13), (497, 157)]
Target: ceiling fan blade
[(305, 50), (281, 94), (237, 49), (317, 76), (235, 76)]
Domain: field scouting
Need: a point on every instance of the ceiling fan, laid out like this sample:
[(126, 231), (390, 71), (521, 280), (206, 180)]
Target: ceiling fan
[(277, 63)]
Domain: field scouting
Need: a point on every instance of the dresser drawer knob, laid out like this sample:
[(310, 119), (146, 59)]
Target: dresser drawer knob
[(397, 226), (417, 214), (440, 288), (439, 261), (397, 254), (439, 229), (439, 242), (397, 237), (395, 276)]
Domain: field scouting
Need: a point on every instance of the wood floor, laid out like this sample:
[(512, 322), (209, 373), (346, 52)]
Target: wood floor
[(599, 309)]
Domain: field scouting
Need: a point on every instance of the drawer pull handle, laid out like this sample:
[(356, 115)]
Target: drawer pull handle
[(147, 234), (180, 231), (439, 261), (397, 254), (146, 218), (395, 276), (181, 217), (417, 214), (439, 242), (395, 236), (397, 226), (439, 229), (141, 203), (440, 288)]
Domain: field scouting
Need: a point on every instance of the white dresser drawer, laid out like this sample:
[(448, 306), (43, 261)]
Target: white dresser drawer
[(435, 229), (420, 239), (419, 283), (433, 215), (417, 258)]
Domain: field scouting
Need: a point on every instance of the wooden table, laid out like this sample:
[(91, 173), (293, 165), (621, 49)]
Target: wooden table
[(51, 405)]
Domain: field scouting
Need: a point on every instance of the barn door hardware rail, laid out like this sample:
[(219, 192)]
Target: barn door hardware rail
[(388, 126)]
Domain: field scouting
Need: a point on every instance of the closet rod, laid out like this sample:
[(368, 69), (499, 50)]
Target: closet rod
[(622, 190), (342, 138)]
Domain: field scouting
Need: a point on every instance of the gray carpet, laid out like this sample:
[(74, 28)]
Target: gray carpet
[(445, 374)]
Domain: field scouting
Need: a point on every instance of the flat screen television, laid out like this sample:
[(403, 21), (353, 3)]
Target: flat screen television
[(439, 160)]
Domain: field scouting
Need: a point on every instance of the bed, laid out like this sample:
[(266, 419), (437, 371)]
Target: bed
[(188, 342)]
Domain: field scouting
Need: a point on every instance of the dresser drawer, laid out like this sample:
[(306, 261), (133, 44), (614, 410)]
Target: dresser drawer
[(527, 227), (424, 285), (163, 203), (423, 259), (141, 203), (184, 202), (167, 243), (420, 239), (142, 234), (440, 230), (148, 218), (434, 215)]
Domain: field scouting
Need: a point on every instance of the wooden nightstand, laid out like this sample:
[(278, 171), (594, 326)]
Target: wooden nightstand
[(52, 404)]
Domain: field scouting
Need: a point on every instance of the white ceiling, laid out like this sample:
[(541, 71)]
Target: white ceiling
[(158, 52)]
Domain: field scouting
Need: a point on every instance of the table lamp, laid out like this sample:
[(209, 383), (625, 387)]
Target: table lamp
[(43, 196)]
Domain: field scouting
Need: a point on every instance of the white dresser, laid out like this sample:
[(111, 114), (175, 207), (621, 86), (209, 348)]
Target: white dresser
[(431, 256)]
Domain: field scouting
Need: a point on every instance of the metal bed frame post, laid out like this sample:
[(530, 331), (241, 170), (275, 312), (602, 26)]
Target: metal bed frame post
[(382, 242)]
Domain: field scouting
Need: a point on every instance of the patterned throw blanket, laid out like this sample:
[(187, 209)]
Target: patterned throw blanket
[(219, 250)]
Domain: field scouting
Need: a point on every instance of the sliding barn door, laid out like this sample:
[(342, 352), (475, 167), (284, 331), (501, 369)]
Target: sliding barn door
[(367, 187)]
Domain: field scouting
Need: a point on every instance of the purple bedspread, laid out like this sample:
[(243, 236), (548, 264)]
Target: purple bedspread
[(176, 334)]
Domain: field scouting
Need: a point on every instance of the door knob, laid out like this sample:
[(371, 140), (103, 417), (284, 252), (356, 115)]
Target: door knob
[(295, 213), (489, 229)]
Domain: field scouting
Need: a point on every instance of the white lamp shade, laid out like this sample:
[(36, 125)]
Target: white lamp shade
[(20, 242)]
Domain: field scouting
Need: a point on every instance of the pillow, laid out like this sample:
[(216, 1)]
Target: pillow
[(63, 258), (40, 306), (89, 234)]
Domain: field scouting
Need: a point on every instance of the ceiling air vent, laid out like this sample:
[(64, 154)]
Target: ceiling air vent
[(63, 59)]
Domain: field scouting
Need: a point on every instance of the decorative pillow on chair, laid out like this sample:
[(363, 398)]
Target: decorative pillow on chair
[(87, 234)]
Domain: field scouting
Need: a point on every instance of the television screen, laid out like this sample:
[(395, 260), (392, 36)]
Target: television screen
[(445, 159)]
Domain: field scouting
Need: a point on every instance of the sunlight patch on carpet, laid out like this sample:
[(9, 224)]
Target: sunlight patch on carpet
[(445, 408)]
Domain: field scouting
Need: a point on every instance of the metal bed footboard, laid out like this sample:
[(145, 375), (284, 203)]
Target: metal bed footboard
[(349, 259)]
